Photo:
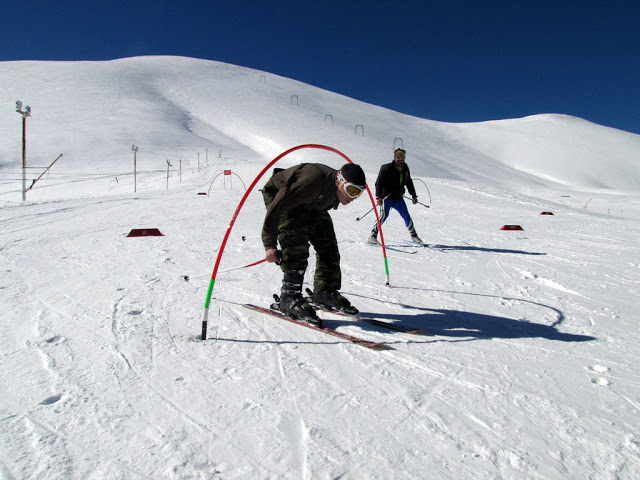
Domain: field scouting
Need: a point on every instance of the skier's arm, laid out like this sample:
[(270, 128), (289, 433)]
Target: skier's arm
[(272, 221), (380, 185)]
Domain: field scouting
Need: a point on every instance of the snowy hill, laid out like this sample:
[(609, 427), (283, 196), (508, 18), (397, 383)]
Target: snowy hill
[(172, 108), (529, 363)]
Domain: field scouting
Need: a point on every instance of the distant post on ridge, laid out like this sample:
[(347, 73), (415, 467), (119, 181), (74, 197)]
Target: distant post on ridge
[(25, 113), (135, 183)]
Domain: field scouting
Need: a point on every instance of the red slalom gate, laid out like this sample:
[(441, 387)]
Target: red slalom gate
[(205, 313)]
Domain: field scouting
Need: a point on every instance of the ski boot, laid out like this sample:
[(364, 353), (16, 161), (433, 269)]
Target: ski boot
[(291, 301), (373, 240), (416, 239), (333, 300)]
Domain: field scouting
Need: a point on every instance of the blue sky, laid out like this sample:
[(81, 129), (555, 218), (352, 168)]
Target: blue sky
[(446, 60)]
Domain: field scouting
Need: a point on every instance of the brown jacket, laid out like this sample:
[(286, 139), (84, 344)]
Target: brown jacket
[(311, 184)]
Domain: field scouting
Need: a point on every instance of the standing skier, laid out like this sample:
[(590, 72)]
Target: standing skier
[(390, 184), (297, 201)]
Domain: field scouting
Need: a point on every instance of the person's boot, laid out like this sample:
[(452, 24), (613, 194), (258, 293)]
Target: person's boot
[(416, 239), (292, 303), (373, 239), (333, 300)]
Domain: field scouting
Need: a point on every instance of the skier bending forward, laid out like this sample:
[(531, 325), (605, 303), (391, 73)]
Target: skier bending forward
[(297, 201)]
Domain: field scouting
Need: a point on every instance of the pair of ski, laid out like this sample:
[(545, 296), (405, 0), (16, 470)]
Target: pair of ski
[(403, 248), (275, 312)]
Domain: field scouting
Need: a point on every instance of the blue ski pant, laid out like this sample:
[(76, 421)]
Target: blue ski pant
[(401, 208)]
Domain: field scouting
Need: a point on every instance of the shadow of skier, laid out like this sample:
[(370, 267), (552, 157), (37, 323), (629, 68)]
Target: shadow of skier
[(460, 324), (481, 249)]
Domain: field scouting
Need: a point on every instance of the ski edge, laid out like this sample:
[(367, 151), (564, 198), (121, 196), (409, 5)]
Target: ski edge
[(408, 252), (372, 321), (395, 249), (424, 245), (329, 331), (392, 326)]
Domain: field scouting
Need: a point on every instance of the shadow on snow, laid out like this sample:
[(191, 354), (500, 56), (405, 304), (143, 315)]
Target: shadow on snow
[(480, 249), (459, 324)]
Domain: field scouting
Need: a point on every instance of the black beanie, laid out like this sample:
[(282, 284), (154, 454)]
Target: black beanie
[(353, 173)]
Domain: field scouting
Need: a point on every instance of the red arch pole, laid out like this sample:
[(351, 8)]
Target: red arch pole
[(234, 173), (221, 173), (205, 313)]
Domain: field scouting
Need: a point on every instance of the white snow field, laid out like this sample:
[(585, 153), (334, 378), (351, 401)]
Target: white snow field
[(530, 365)]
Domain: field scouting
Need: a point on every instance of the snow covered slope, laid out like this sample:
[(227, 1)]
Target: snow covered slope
[(172, 108), (530, 366)]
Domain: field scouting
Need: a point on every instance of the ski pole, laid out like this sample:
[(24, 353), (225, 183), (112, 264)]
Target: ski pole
[(408, 198), (186, 278), (360, 218), (279, 253)]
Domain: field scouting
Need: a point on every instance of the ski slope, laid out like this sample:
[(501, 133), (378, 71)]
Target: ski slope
[(530, 365)]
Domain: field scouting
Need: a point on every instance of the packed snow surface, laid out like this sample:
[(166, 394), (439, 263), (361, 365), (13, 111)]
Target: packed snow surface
[(529, 366)]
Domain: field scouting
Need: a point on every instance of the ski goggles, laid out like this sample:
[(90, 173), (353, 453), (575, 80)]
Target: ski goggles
[(351, 189)]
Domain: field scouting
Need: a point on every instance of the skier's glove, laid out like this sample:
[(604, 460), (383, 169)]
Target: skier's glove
[(414, 199)]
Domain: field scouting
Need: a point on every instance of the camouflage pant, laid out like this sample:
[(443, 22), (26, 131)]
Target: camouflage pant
[(300, 227)]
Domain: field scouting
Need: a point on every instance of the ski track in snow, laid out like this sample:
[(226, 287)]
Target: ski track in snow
[(427, 391), (138, 319)]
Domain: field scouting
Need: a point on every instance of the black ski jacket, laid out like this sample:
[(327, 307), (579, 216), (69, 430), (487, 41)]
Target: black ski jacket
[(391, 182)]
